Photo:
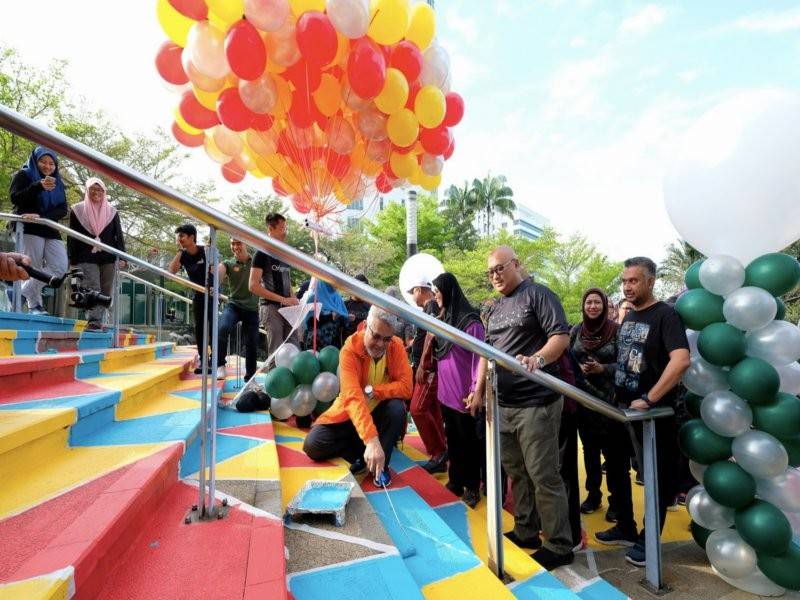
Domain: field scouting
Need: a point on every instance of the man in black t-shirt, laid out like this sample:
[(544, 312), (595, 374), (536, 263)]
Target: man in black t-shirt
[(270, 280), (652, 355), (528, 322)]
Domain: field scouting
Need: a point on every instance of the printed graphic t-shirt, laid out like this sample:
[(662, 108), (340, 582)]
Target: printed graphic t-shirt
[(275, 275), (644, 342)]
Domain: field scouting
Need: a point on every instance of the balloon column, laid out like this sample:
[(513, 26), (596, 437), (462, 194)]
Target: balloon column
[(327, 97), (302, 383)]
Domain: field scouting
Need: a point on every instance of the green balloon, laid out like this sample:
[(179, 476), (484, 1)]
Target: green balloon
[(693, 402), (754, 380), (692, 276), (780, 418), (777, 273), (764, 527), (721, 344), (792, 446), (781, 309), (784, 569), (702, 445), (279, 382), (699, 308), (329, 359), (729, 484), (700, 534), (305, 367)]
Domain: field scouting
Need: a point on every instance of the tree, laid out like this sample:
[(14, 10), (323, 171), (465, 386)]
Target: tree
[(491, 195), (680, 256)]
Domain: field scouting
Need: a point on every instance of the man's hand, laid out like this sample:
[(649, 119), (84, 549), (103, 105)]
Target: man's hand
[(9, 270), (591, 366), (29, 216), (474, 402), (290, 301), (640, 405), (529, 362), (374, 456)]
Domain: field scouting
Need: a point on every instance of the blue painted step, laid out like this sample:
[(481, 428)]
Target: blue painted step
[(28, 322)]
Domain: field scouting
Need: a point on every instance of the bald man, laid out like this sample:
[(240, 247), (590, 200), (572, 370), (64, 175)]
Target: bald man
[(528, 322)]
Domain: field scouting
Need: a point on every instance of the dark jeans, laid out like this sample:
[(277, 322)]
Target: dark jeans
[(592, 438), (568, 455), (227, 325), (341, 439), (464, 449), (197, 312)]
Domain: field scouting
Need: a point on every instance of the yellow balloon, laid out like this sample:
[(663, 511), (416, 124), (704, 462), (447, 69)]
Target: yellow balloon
[(430, 106), (207, 99), (403, 165), (421, 25), (429, 182), (174, 24), (225, 12), (394, 94), (181, 122), (213, 151), (388, 20), (257, 173), (301, 6), (328, 95), (371, 168), (358, 154), (402, 128), (416, 177)]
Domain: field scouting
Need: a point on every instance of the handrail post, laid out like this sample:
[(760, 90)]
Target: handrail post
[(238, 355), (652, 523), (115, 302), (159, 298), (494, 492), (18, 246), (214, 353), (204, 508)]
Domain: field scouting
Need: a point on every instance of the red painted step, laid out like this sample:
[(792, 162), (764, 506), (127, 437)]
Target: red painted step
[(32, 373)]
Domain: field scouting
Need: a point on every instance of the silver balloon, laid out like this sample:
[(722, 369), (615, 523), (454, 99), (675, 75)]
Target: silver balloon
[(730, 554), (749, 308), (721, 274), (726, 414), (778, 343), (702, 377), (325, 387), (790, 378), (760, 454), (783, 491), (708, 513), (697, 470), (280, 408), (755, 583), (698, 488), (285, 355), (794, 523), (691, 336), (302, 400)]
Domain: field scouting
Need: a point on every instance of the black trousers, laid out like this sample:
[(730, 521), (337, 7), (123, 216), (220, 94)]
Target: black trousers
[(568, 455), (464, 449), (592, 432), (197, 312), (227, 326), (341, 439)]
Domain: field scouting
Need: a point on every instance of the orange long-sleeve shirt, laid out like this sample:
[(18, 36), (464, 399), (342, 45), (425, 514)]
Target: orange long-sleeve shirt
[(351, 404)]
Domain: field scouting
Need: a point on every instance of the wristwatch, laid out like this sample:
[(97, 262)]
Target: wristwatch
[(540, 361), (646, 398), (368, 392)]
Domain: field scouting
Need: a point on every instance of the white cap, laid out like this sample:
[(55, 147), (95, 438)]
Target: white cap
[(419, 281)]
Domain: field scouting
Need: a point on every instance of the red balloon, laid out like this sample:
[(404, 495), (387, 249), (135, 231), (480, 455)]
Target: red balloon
[(387, 169), (301, 113), (232, 111), (407, 59), (305, 77), (316, 38), (435, 141), (187, 139), (450, 149), (338, 164), (245, 50), (263, 122), (278, 188), (233, 171), (300, 204), (382, 184), (366, 68), (413, 90), (168, 64), (402, 150), (455, 109), (195, 114), (194, 9)]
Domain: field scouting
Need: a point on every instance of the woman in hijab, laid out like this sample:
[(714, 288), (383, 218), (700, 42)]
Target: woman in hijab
[(593, 344), (457, 370), (37, 190), (96, 218)]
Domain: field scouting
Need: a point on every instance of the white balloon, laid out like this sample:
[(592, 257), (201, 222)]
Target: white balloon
[(349, 17), (266, 15), (325, 387), (280, 408), (725, 413), (721, 274), (790, 378), (760, 454), (783, 491), (302, 401), (697, 470), (749, 308), (755, 583), (778, 343), (285, 355), (416, 269), (794, 523), (708, 513), (702, 377), (436, 68), (205, 46), (691, 336), (736, 177), (729, 554)]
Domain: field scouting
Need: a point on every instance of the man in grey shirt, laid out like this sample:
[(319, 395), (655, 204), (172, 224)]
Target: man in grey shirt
[(528, 322)]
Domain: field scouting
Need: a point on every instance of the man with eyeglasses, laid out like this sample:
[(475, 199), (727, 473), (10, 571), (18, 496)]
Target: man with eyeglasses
[(366, 420), (528, 322)]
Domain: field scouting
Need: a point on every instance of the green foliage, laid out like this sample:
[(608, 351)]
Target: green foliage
[(680, 256)]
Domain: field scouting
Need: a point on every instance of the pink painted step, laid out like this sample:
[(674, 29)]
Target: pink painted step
[(33, 373)]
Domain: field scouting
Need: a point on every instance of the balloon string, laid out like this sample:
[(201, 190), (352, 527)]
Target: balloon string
[(315, 236)]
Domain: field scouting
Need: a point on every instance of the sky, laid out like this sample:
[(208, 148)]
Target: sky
[(581, 104)]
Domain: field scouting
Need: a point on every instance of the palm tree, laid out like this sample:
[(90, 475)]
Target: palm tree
[(460, 198), (490, 195), (680, 256)]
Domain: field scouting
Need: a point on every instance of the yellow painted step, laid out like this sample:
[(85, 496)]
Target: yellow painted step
[(18, 427), (58, 585)]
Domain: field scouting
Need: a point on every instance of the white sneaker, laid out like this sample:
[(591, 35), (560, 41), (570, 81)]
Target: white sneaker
[(221, 372)]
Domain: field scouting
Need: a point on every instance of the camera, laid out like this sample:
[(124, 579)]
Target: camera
[(84, 297)]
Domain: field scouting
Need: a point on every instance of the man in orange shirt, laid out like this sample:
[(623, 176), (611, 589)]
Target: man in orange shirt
[(366, 420)]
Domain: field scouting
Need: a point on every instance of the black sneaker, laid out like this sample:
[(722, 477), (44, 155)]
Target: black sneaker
[(533, 543), (611, 515), (471, 497), (550, 560), (636, 555), (358, 467), (617, 537), (437, 464), (590, 505)]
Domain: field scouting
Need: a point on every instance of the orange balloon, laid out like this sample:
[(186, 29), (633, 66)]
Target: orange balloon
[(328, 96)]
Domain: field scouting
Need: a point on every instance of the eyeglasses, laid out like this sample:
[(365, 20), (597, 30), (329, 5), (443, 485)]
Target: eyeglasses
[(381, 338), (498, 270)]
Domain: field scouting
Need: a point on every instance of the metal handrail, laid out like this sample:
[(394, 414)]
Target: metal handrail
[(158, 288)]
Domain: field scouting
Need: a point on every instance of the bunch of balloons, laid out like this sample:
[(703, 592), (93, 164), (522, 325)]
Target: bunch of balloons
[(302, 382), (742, 385), (329, 98)]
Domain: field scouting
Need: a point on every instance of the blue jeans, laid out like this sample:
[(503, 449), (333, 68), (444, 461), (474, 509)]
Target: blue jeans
[(227, 325)]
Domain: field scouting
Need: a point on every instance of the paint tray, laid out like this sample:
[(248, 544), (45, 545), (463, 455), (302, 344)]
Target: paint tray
[(320, 497)]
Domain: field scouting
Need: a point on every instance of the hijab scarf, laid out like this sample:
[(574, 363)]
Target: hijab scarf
[(54, 197), (94, 216), (457, 310), (597, 332)]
